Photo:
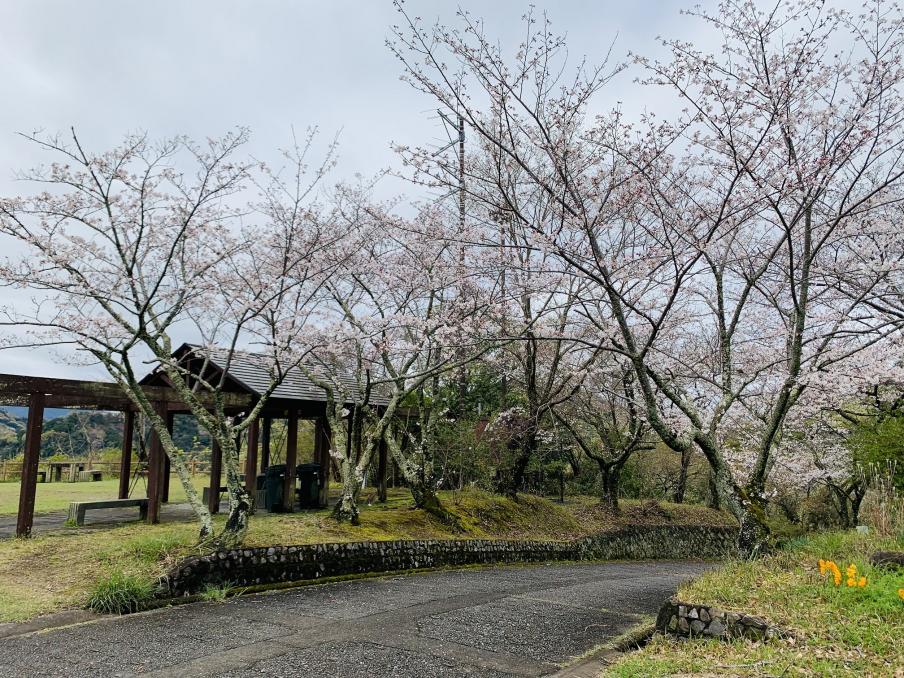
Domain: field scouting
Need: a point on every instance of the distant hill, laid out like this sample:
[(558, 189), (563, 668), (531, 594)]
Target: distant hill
[(71, 433), (22, 412)]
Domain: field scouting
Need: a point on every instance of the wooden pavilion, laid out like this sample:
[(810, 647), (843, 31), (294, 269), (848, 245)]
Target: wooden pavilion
[(297, 397)]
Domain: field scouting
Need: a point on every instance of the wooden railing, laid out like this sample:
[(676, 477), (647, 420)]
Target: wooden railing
[(11, 469)]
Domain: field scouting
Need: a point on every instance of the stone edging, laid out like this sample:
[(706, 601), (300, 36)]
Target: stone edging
[(279, 564), (685, 619)]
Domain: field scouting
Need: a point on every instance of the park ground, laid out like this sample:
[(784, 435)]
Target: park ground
[(62, 569), (833, 631)]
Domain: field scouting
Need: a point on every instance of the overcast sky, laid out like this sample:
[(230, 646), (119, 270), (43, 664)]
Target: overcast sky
[(205, 66)]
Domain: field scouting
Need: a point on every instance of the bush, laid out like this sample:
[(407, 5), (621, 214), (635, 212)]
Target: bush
[(120, 593)]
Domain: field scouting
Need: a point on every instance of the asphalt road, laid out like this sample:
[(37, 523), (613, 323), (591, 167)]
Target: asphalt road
[(502, 621)]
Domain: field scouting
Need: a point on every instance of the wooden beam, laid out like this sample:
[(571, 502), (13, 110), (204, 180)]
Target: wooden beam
[(322, 456), (216, 472), (29, 482), (97, 394), (125, 460), (291, 460), (251, 460)]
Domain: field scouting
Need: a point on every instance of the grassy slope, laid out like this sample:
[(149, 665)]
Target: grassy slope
[(55, 572), (837, 631)]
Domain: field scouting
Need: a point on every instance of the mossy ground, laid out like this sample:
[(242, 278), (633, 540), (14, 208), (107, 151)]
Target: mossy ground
[(837, 631), (58, 571)]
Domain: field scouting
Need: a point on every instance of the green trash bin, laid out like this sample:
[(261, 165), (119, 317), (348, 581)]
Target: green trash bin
[(274, 483), (308, 485)]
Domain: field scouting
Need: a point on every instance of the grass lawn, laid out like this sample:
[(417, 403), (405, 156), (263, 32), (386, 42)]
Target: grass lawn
[(54, 572), (56, 496), (836, 631)]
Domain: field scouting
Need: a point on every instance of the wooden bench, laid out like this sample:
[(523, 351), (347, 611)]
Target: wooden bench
[(92, 476), (206, 493), (77, 508)]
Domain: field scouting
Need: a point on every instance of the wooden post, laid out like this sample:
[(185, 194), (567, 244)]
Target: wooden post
[(125, 461), (155, 468), (165, 480), (28, 484), (322, 456), (381, 469), (216, 466), (291, 458), (251, 460), (265, 443)]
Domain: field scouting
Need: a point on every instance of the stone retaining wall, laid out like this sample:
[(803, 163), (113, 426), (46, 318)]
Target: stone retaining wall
[(278, 564)]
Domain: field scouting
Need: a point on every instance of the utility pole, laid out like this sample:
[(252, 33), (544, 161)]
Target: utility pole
[(458, 124)]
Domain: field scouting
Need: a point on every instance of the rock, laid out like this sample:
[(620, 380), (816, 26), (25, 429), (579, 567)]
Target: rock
[(673, 623), (697, 626), (715, 628), (683, 626), (704, 615), (692, 614), (887, 559)]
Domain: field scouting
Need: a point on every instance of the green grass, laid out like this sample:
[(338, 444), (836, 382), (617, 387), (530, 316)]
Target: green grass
[(120, 593), (56, 496), (836, 631), (59, 571)]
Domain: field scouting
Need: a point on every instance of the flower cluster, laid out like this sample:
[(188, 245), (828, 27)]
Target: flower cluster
[(830, 566), (853, 580), (901, 594)]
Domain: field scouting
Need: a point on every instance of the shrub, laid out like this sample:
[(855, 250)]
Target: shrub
[(120, 593)]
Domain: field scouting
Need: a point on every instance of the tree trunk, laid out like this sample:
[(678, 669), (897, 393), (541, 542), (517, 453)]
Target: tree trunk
[(744, 503), (714, 502), (859, 493), (346, 509), (611, 474), (416, 465), (509, 481), (681, 487), (240, 503)]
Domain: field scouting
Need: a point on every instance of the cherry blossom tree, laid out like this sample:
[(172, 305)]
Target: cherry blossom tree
[(130, 247), (605, 418), (713, 243), (407, 307)]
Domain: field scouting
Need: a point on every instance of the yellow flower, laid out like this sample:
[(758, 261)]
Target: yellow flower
[(901, 594), (862, 582), (851, 571)]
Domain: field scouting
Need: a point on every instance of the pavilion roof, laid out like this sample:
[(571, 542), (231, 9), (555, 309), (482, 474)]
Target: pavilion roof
[(250, 372)]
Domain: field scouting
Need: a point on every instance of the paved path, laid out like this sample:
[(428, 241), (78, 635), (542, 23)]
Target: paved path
[(502, 621)]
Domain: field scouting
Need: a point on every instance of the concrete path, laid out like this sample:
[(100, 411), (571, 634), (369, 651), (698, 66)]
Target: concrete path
[(502, 621)]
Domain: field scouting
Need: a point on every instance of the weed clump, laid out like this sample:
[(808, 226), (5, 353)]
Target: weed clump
[(120, 593)]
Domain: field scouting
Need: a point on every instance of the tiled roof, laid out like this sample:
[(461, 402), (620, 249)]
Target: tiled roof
[(251, 372)]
